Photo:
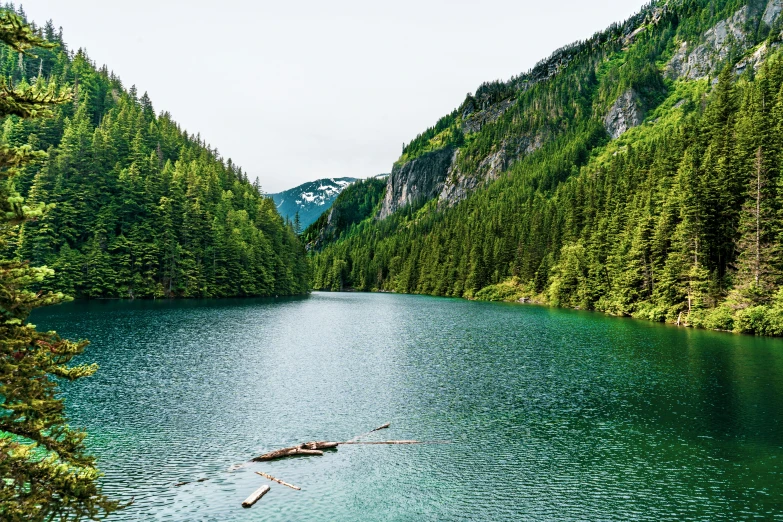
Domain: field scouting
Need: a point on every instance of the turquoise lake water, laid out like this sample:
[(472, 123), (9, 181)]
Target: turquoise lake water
[(552, 414)]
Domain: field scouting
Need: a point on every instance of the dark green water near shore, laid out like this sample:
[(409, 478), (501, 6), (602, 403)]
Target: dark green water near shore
[(553, 414)]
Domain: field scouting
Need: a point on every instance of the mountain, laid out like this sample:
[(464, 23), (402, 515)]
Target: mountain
[(636, 173), (135, 206), (310, 199), (359, 201)]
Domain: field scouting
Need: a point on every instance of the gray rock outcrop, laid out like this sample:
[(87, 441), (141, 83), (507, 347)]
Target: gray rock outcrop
[(474, 121), (459, 185), (416, 181), (705, 59), (772, 12), (624, 114)]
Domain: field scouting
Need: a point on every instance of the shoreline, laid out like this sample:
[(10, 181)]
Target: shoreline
[(533, 302)]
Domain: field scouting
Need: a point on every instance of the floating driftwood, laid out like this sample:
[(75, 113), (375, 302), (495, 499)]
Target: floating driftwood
[(323, 445), (256, 496), (395, 442), (306, 448), (318, 447), (302, 449), (270, 477), (287, 452)]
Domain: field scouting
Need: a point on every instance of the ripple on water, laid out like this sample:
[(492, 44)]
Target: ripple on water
[(554, 415)]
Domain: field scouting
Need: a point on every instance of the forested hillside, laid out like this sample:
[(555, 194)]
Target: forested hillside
[(636, 173), (356, 203), (138, 207)]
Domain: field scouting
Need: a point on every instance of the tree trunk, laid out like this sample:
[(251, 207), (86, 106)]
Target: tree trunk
[(757, 268)]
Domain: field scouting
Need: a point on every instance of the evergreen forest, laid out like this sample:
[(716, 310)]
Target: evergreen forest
[(136, 207), (679, 219)]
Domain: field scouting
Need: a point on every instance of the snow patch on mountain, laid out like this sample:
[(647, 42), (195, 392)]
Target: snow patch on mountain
[(310, 199)]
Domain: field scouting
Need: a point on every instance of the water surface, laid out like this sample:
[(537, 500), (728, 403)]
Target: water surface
[(553, 414)]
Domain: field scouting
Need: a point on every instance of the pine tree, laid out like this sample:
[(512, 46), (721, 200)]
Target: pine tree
[(45, 470), (297, 224)]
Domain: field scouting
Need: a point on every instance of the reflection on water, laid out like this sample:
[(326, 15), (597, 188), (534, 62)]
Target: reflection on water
[(554, 414)]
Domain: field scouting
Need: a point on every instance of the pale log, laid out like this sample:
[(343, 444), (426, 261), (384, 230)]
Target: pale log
[(322, 445), (396, 442), (302, 451), (283, 452), (287, 452), (273, 479), (256, 496)]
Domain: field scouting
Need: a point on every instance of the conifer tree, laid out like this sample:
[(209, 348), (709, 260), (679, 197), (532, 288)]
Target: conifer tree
[(45, 470)]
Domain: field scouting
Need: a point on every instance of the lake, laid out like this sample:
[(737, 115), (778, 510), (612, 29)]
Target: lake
[(552, 414)]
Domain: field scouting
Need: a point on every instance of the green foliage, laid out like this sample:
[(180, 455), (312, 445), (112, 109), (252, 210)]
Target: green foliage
[(45, 470), (138, 206), (509, 291), (678, 220), (446, 132)]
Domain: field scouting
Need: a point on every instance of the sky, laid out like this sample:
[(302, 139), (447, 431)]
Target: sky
[(297, 90)]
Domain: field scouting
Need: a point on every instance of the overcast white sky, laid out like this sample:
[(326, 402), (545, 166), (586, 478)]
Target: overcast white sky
[(304, 89)]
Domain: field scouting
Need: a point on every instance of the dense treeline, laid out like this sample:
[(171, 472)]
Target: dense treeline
[(139, 208), (678, 220)]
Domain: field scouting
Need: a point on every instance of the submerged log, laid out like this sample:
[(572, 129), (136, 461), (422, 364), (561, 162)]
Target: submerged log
[(256, 496), (270, 477), (287, 452), (179, 484), (379, 428), (396, 442)]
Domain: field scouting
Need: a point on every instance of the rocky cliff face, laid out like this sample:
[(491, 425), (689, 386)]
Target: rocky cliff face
[(701, 59), (416, 181), (624, 114), (704, 59), (474, 121), (772, 12), (459, 184), (438, 175)]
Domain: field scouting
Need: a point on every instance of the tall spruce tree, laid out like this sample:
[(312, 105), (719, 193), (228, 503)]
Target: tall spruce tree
[(45, 470)]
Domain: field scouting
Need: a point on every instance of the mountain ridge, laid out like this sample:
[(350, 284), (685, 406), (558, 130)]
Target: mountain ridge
[(617, 175)]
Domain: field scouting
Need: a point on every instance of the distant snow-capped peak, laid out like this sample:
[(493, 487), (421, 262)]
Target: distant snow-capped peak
[(310, 199)]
